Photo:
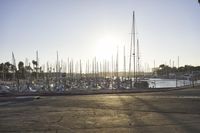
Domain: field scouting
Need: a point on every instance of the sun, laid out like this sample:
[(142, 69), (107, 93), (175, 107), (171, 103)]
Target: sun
[(106, 47)]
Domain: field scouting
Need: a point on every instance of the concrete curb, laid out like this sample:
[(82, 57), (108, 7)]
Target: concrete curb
[(95, 92)]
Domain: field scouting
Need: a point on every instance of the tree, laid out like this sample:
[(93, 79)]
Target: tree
[(13, 70), (28, 69), (2, 70), (7, 68), (21, 70), (164, 70), (20, 65), (35, 66)]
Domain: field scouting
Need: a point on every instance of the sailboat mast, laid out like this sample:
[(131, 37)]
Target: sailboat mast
[(132, 46), (37, 64), (130, 57), (138, 58), (14, 64), (80, 69), (124, 63), (112, 74), (117, 69), (57, 68), (133, 34), (178, 62), (57, 62)]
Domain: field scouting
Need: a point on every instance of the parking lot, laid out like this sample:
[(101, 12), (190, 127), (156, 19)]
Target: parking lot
[(167, 112)]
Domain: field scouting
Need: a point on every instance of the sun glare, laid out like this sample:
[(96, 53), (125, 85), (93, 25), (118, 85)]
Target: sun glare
[(106, 47)]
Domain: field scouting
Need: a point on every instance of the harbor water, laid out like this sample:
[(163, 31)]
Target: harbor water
[(167, 83)]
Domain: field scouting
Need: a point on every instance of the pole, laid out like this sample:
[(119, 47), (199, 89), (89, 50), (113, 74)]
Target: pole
[(133, 34), (124, 64), (138, 59)]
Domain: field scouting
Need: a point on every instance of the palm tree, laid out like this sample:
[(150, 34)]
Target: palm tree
[(34, 63), (20, 65), (6, 69), (21, 70), (13, 69), (2, 70), (35, 66)]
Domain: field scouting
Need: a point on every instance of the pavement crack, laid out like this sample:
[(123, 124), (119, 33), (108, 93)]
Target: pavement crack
[(60, 119)]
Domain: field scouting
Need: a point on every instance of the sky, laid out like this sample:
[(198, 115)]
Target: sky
[(84, 29)]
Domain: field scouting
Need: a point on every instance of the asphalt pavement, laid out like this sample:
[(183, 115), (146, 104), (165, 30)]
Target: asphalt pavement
[(175, 111)]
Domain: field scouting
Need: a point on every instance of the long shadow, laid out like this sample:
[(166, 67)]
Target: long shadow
[(178, 122), (134, 120)]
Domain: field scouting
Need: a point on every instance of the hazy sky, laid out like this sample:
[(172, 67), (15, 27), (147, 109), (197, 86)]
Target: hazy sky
[(82, 29)]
